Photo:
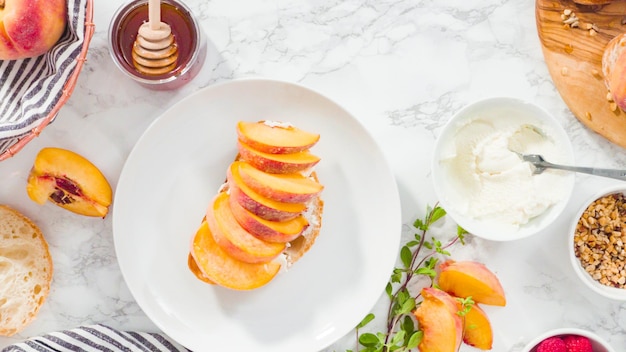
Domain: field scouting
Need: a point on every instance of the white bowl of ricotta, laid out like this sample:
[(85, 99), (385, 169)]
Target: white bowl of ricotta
[(485, 186)]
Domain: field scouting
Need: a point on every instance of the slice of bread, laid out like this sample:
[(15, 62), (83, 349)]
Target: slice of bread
[(294, 249), (298, 247), (25, 270), (313, 213)]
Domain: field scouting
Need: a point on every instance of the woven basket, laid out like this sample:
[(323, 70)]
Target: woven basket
[(34, 90)]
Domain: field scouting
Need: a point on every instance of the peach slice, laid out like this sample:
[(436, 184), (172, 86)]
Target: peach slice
[(234, 239), (193, 267), (263, 207), (477, 330), (277, 163), (70, 181), (271, 231), (224, 270), (438, 319), (289, 188), (274, 137), (468, 278)]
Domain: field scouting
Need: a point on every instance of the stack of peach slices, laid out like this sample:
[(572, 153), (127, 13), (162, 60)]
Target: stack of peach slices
[(266, 215)]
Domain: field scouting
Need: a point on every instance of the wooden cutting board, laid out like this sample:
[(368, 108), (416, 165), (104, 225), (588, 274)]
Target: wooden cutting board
[(574, 59)]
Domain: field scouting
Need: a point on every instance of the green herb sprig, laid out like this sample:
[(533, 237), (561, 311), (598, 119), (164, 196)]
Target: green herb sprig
[(402, 334)]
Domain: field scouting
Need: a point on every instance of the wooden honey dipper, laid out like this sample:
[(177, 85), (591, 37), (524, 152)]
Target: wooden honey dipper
[(155, 51)]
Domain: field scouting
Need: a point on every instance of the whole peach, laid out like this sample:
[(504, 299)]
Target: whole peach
[(30, 28)]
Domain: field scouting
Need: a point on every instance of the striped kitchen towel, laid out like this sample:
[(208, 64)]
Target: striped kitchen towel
[(30, 88), (97, 337)]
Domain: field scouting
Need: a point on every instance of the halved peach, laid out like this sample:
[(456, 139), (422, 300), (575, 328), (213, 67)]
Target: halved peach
[(438, 319), (271, 231), (224, 270), (277, 163), (70, 181), (263, 207), (468, 278), (477, 330), (289, 188), (234, 239), (275, 138)]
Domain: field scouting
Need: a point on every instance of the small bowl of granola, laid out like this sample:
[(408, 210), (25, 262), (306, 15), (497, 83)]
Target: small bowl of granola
[(597, 243), (568, 339)]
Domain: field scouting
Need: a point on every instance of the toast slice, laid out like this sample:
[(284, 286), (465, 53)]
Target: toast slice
[(294, 249), (233, 250), (25, 270)]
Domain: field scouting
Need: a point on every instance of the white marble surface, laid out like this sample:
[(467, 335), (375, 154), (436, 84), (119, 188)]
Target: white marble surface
[(402, 67)]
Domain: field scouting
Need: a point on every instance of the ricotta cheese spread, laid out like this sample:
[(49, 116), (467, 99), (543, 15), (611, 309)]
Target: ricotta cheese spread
[(277, 124), (487, 181)]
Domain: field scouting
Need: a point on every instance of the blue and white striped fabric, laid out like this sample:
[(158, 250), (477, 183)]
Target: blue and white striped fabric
[(97, 338), (30, 88)]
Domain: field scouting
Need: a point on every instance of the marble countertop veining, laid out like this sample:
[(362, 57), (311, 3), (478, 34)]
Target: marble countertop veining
[(402, 67)]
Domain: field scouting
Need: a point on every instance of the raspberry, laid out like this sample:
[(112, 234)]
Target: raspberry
[(552, 344), (575, 343)]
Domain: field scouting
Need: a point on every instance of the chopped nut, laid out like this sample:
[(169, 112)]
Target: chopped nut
[(592, 32), (613, 106), (571, 20), (599, 240), (564, 71), (588, 115)]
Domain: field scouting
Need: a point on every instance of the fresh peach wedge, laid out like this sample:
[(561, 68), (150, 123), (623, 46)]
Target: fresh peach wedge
[(69, 181), (289, 188), (234, 239), (275, 137), (438, 319), (277, 163), (468, 278), (477, 330), (263, 207), (270, 231), (224, 270)]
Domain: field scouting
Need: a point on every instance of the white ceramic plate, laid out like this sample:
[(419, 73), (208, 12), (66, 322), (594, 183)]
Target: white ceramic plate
[(175, 170)]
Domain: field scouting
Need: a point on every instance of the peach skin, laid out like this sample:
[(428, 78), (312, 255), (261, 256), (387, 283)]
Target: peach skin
[(288, 188), (234, 239), (263, 207), (438, 319), (30, 28), (274, 137), (219, 267), (467, 278), (70, 181), (614, 69), (277, 163), (270, 231)]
